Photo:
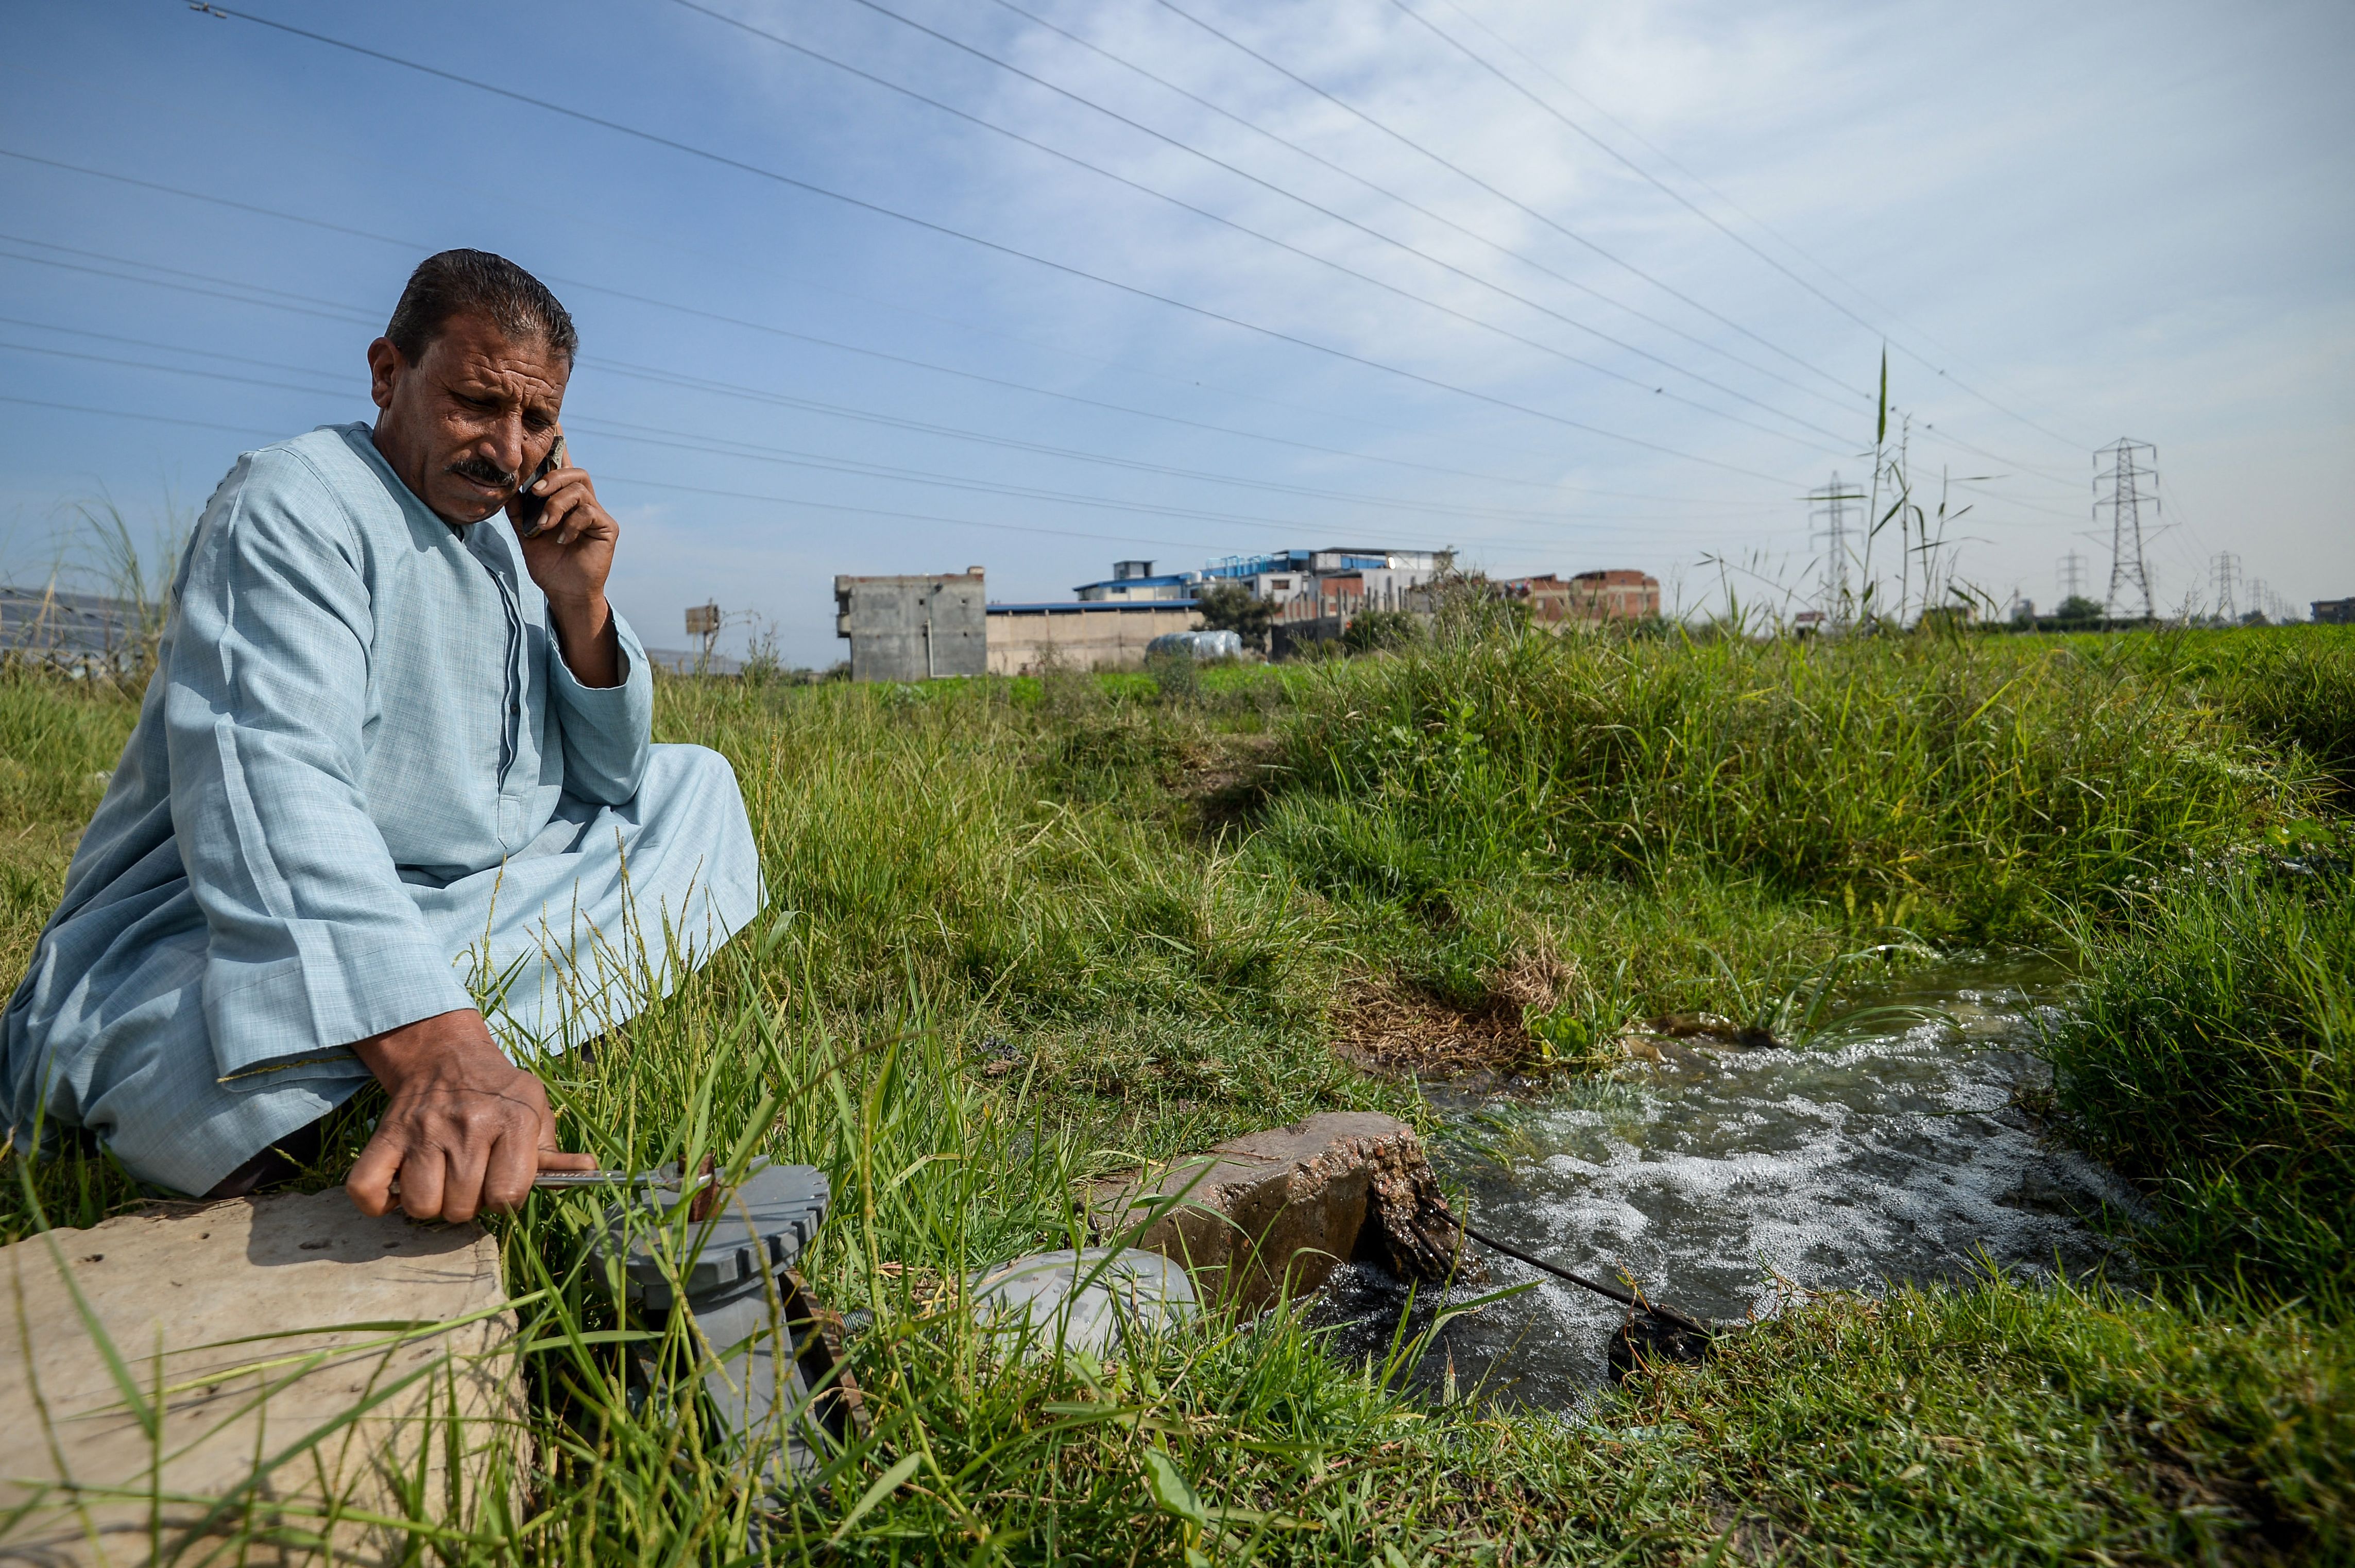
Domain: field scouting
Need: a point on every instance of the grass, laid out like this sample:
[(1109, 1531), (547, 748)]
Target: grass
[(1169, 904), (2213, 1059)]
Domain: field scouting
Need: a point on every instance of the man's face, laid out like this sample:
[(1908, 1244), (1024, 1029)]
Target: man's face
[(470, 419)]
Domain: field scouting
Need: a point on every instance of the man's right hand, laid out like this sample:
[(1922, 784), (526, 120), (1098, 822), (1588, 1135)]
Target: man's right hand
[(466, 1129)]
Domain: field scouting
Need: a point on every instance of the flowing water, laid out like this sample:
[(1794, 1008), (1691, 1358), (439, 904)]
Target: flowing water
[(1724, 1180)]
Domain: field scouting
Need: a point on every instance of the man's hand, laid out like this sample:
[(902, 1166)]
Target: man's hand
[(465, 1130), (570, 557)]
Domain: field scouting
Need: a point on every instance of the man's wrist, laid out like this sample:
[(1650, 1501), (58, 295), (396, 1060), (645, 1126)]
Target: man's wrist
[(398, 1054), (585, 639), (583, 618)]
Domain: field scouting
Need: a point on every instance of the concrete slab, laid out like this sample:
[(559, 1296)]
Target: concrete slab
[(1277, 1212), (1049, 1303), (252, 1423)]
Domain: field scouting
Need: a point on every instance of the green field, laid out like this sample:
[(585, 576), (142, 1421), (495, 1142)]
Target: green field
[(1191, 904)]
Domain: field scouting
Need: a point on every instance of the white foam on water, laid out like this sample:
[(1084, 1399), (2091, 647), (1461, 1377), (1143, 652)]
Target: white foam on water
[(1889, 1155)]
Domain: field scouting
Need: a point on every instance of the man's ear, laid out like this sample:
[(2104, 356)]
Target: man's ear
[(385, 368)]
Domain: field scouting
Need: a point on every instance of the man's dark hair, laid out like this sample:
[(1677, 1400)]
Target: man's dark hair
[(457, 282)]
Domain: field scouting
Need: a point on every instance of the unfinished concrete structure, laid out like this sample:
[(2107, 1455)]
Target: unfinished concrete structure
[(914, 628), (1096, 634)]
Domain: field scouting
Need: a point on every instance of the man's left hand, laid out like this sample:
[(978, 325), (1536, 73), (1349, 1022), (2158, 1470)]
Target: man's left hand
[(570, 557)]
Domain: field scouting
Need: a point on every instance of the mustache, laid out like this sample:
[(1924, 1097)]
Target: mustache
[(482, 471)]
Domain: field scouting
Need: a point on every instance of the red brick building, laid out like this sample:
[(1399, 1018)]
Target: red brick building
[(1589, 597)]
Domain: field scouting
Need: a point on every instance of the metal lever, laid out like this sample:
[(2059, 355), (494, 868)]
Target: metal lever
[(573, 1179)]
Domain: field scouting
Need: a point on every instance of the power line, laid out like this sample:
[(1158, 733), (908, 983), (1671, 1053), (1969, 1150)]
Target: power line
[(758, 171), (1664, 156), (812, 405), (1710, 218), (722, 446), (1189, 383), (346, 317), (1523, 257), (1289, 194), (128, 414), (1285, 245), (352, 313), (1462, 173), (313, 305), (1998, 458), (649, 483), (665, 486), (842, 411)]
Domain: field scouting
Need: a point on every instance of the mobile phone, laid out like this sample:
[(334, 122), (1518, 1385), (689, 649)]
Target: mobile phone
[(528, 506)]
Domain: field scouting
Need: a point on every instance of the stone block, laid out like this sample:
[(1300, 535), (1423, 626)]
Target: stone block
[(1050, 1303), (252, 1330), (1274, 1213)]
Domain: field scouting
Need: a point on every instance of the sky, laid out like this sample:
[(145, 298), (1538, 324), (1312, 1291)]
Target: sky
[(915, 285)]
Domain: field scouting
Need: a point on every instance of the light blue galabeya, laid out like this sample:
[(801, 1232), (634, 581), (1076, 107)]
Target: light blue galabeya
[(363, 790)]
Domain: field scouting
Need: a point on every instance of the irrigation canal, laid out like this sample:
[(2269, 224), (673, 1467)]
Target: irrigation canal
[(1721, 1180)]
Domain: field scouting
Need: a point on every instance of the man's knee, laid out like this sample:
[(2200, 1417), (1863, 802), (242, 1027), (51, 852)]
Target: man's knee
[(694, 789), (693, 770)]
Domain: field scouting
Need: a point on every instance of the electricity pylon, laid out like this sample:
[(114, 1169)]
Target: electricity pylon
[(1830, 503), (2125, 497), (2223, 573), (2072, 576)]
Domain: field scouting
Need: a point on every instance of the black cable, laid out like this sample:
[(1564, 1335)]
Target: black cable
[(660, 484), (128, 414), (344, 316), (758, 171), (828, 410), (779, 39), (1627, 1298), (1436, 217), (925, 365), (1076, 455), (622, 479), (1462, 173), (722, 446), (1710, 218)]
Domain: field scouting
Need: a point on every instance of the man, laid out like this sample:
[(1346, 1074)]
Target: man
[(394, 742)]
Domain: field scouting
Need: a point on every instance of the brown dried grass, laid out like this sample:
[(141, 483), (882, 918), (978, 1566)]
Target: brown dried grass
[(1385, 1029)]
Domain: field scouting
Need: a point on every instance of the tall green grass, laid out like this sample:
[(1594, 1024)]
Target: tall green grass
[(2293, 687), (1961, 787), (2213, 1059), (1156, 900)]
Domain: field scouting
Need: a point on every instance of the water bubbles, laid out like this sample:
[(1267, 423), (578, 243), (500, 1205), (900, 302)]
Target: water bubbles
[(1889, 1154)]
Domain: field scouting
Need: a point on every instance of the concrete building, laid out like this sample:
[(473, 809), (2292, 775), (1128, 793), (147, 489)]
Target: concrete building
[(1373, 575), (1132, 580), (914, 628), (2334, 612), (1105, 633)]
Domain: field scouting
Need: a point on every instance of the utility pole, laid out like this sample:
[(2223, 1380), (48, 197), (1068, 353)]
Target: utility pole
[(2122, 491), (2072, 577), (1829, 503), (2224, 571)]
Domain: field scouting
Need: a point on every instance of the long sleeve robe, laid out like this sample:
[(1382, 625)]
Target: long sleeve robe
[(363, 790)]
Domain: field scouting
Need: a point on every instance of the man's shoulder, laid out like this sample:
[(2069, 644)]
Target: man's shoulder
[(321, 471), (325, 455)]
